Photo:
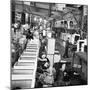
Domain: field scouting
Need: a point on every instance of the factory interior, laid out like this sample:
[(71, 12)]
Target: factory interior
[(49, 44)]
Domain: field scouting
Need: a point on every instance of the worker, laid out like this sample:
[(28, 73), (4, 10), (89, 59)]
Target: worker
[(29, 35), (43, 61), (43, 65), (66, 49)]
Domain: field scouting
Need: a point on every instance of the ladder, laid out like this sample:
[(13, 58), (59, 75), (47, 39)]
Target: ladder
[(24, 71)]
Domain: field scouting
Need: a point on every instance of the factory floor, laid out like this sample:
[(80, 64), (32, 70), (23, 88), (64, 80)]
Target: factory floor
[(70, 79)]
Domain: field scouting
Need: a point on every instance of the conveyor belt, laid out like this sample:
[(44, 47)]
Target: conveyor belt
[(23, 72)]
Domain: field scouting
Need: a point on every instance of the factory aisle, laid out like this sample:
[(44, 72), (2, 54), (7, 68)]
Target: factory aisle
[(60, 47), (23, 72)]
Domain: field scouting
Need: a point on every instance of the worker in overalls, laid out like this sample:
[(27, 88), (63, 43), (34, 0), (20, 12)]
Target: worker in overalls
[(45, 74)]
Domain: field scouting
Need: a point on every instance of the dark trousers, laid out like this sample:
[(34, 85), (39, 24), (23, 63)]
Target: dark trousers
[(66, 52)]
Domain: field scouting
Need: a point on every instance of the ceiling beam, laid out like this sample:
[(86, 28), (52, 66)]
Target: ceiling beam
[(42, 8)]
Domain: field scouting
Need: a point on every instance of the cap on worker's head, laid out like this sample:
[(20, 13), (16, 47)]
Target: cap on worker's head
[(43, 53)]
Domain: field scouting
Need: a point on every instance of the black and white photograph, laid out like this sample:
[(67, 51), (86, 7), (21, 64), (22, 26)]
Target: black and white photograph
[(49, 44)]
